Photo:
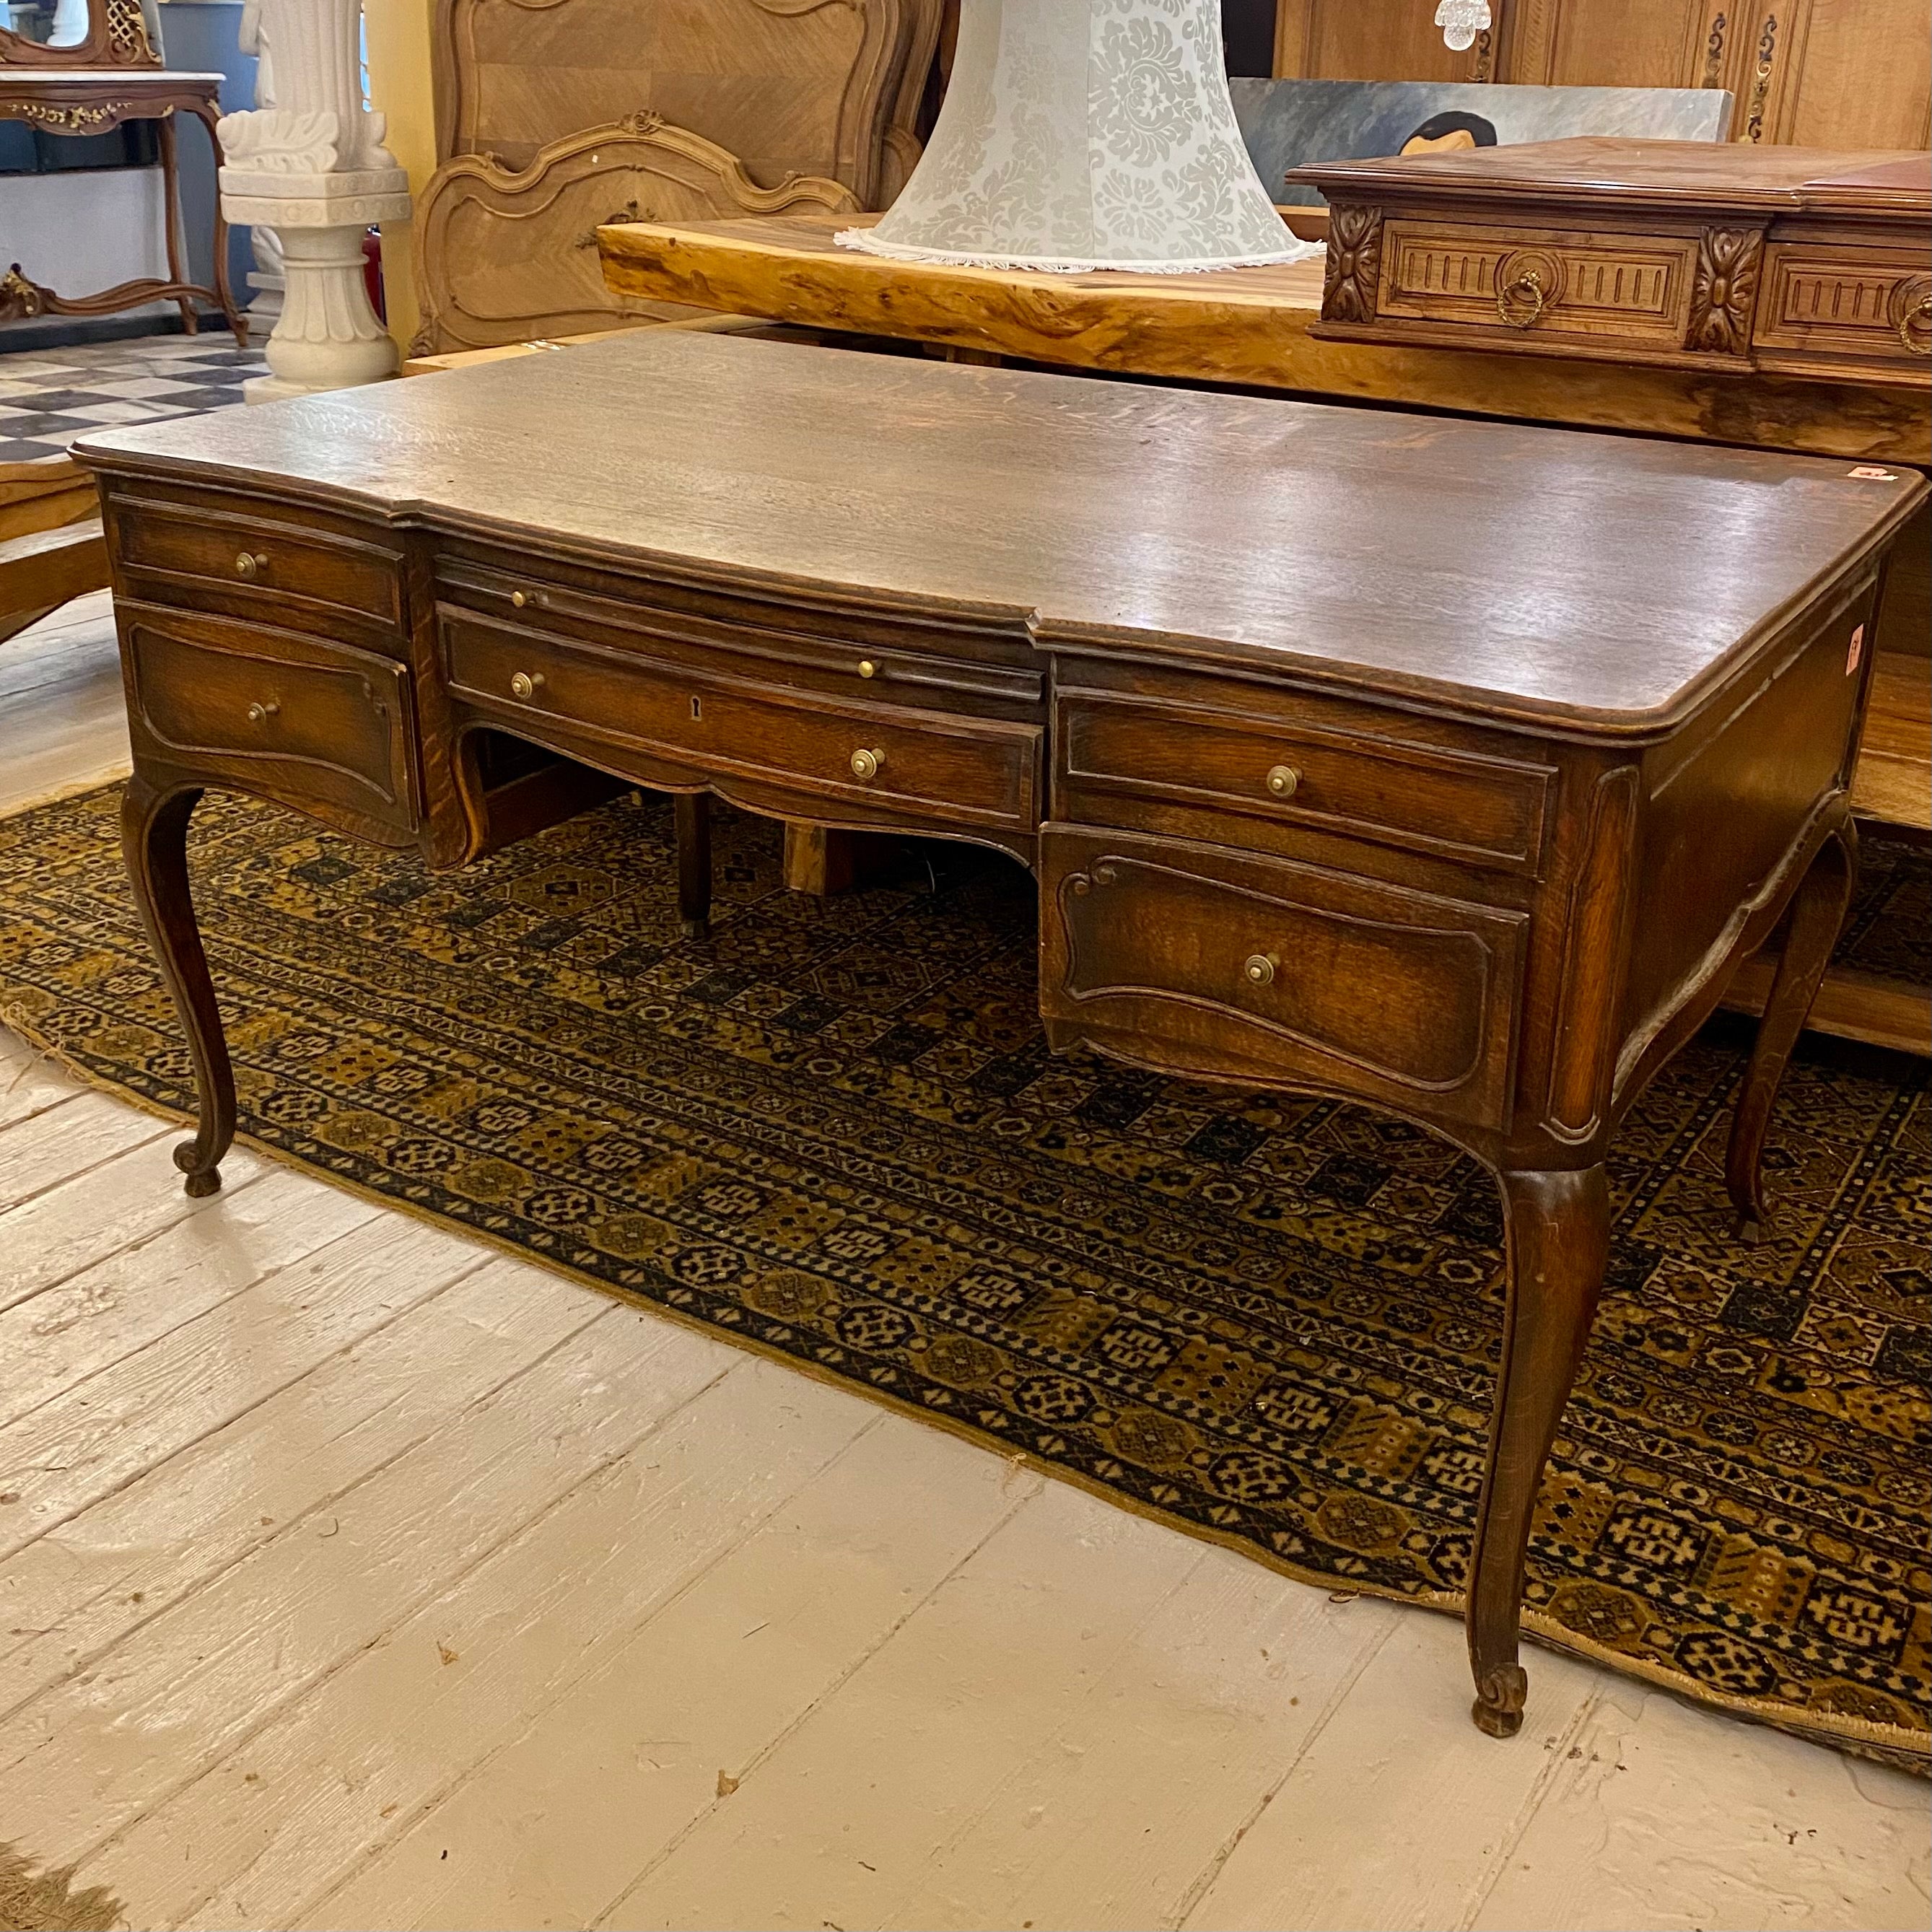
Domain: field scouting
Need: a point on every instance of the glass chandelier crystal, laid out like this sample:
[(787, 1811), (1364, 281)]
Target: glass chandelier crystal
[(1081, 134)]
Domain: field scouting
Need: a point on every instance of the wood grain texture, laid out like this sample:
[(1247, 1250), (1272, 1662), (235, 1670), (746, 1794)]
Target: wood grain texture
[(1251, 326), (956, 499)]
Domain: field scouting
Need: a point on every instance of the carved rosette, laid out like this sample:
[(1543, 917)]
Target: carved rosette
[(1354, 267), (1723, 288)]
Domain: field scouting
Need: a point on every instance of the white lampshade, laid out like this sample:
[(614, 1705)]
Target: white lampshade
[(1081, 134)]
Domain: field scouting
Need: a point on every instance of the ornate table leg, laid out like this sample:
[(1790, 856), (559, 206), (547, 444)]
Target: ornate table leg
[(1558, 1230), (693, 820), (154, 836), (224, 293), (1818, 910), (164, 133)]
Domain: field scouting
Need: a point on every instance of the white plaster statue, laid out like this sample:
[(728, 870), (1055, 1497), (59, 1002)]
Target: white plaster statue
[(311, 167)]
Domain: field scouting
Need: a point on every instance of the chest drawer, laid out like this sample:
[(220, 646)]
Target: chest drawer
[(1421, 798), (1822, 302), (1605, 288), (970, 771), (286, 574), (302, 720), (1281, 971)]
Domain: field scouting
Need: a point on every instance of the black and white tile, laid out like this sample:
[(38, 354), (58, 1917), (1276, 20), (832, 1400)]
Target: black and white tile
[(49, 397)]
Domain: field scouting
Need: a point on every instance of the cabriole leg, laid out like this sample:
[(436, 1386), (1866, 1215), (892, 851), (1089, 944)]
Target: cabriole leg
[(154, 833), (1818, 910), (1559, 1232)]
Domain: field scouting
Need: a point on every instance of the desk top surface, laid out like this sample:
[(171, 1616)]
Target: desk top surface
[(1596, 583)]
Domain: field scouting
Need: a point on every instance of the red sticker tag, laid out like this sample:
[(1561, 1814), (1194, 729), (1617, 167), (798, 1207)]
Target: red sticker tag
[(1870, 472), (1857, 651)]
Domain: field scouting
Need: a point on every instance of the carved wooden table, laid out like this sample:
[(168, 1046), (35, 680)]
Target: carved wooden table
[(90, 100), (1465, 802)]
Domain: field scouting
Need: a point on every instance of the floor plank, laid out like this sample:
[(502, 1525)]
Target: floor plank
[(630, 1756), (66, 1333), (68, 1597), (90, 1758), (73, 1137), (1399, 1812), (127, 1201), (1667, 1817), (465, 1672), (357, 1272)]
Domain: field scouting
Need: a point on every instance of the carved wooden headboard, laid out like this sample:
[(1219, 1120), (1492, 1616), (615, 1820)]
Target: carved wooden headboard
[(554, 114), (789, 86)]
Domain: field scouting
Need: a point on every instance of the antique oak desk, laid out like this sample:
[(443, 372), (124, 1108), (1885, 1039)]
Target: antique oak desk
[(1451, 767)]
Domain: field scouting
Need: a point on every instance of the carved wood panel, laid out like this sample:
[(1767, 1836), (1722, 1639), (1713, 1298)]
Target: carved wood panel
[(823, 87), (117, 36), (505, 255)]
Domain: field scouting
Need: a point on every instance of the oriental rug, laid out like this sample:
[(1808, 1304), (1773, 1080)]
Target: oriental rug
[(832, 1131)]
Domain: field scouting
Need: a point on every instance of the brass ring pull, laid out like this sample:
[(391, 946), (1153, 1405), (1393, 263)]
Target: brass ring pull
[(866, 764), (1915, 326), (525, 684), (1259, 968), (260, 714), (1528, 283), (250, 564), (1283, 781)]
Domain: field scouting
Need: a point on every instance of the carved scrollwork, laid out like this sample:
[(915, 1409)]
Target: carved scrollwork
[(1723, 288), (1767, 60), (19, 296), (1353, 266), (1714, 52)]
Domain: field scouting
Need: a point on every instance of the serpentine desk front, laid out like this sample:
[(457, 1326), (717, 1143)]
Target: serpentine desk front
[(1450, 767)]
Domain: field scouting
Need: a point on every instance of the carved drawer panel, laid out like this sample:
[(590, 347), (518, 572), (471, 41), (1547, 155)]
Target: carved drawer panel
[(308, 722), (1272, 968), (877, 758), (1420, 798), (1633, 288), (293, 575), (1820, 300)]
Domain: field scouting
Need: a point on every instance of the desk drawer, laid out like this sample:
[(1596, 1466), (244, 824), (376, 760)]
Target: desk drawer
[(886, 759), (1632, 288), (300, 719), (289, 574), (1293, 970), (1820, 301), (1418, 797)]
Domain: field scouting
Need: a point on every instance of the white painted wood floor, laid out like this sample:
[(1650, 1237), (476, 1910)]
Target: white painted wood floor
[(353, 1575)]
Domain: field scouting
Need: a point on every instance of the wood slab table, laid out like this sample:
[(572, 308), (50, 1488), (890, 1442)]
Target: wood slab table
[(1466, 805)]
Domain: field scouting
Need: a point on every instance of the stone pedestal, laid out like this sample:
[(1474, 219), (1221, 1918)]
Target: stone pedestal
[(308, 168), (326, 336)]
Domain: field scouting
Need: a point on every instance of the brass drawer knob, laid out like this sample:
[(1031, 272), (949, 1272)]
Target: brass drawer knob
[(250, 564), (525, 684), (867, 668), (517, 597), (260, 714), (1258, 970), (1283, 781), (866, 764)]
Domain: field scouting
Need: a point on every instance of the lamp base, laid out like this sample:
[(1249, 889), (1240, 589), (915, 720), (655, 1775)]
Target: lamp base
[(865, 241)]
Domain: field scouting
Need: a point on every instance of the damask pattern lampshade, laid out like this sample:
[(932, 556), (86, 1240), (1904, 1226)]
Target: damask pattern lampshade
[(1081, 134)]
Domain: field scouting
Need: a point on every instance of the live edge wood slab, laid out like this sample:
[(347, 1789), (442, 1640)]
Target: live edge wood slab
[(1451, 767)]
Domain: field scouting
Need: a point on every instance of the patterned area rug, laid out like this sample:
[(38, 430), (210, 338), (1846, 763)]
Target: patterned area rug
[(832, 1131)]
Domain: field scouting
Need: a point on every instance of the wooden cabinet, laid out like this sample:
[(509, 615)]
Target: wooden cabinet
[(1825, 73)]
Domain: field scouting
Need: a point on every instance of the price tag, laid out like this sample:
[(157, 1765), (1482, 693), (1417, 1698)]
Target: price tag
[(1870, 472), (1856, 652)]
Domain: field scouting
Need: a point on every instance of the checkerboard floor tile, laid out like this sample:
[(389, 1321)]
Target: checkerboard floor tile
[(48, 396)]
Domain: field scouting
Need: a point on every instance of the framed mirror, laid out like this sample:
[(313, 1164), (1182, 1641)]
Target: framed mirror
[(77, 34)]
